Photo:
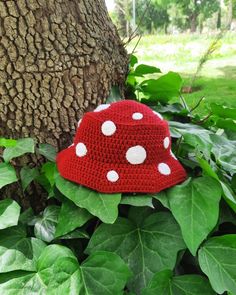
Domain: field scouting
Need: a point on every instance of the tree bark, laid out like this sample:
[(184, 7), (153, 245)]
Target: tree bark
[(193, 23), (230, 14), (193, 18), (58, 59)]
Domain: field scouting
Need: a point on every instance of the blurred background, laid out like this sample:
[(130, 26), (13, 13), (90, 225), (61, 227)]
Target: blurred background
[(196, 38)]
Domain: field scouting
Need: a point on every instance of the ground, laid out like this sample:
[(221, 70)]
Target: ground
[(181, 53)]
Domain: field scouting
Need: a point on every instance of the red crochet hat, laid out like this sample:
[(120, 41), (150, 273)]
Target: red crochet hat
[(122, 147)]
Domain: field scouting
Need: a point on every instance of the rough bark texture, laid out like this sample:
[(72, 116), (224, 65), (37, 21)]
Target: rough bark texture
[(58, 59)]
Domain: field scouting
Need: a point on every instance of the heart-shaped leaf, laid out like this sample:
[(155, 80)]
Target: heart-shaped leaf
[(163, 283), (48, 151), (194, 135), (195, 206), (45, 226), (58, 273), (27, 175), (163, 88), (104, 206), (23, 146), (9, 213), (17, 252), (7, 174), (148, 246), (142, 70), (71, 217), (217, 259)]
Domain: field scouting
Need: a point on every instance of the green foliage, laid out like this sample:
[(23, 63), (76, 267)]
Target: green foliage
[(104, 206), (22, 146), (9, 213), (161, 89), (57, 271), (7, 174), (179, 241), (161, 14), (219, 254), (164, 283), (141, 242), (195, 205), (45, 225)]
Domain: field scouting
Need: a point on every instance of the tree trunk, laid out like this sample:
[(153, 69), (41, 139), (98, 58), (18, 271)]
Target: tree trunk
[(230, 14), (219, 18), (193, 18), (193, 23), (58, 59)]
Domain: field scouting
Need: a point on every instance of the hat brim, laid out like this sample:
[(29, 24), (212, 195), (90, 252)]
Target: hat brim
[(132, 178)]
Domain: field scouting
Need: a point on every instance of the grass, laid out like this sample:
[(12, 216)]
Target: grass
[(181, 53)]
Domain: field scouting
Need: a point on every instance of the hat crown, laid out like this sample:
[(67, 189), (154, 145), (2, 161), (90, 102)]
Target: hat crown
[(113, 129)]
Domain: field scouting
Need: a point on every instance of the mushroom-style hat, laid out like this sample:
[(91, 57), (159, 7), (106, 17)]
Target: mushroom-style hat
[(122, 147)]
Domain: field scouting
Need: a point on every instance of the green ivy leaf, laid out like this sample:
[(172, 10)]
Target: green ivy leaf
[(27, 175), (45, 226), (228, 193), (7, 174), (17, 252), (138, 200), (174, 108), (27, 216), (223, 111), (112, 276), (71, 217), (148, 246), (217, 259), (225, 153), (195, 206), (227, 124), (133, 60), (104, 206), (163, 283), (142, 70), (163, 88), (58, 272), (9, 213), (48, 151), (7, 142), (194, 135), (23, 146), (50, 171)]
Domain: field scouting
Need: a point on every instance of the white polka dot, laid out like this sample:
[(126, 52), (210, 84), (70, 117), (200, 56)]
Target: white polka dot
[(172, 154), (112, 176), (166, 142), (158, 115), (164, 169), (102, 107), (137, 116), (136, 155), (79, 123), (81, 149), (108, 128)]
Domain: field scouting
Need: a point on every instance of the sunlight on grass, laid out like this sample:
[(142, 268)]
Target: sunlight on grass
[(181, 53)]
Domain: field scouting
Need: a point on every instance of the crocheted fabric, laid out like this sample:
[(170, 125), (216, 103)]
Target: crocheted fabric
[(122, 147)]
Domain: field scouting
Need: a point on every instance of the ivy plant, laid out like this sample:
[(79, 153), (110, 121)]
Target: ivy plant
[(180, 241)]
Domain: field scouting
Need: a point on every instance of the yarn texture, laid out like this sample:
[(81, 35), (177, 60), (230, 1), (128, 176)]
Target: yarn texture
[(122, 147)]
